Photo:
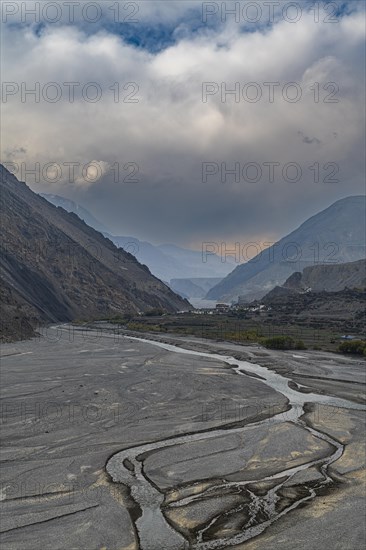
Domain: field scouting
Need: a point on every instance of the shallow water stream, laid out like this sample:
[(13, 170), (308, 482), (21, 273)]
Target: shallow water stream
[(155, 532)]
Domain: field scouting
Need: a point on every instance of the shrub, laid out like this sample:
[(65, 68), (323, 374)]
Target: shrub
[(136, 326), (120, 319), (282, 342), (154, 312), (251, 335), (356, 347), (278, 342), (300, 345)]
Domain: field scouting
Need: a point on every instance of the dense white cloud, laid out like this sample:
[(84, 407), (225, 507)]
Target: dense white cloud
[(169, 132)]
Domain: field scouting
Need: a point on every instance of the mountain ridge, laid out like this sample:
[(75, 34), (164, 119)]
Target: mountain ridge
[(335, 233), (54, 267), (165, 261)]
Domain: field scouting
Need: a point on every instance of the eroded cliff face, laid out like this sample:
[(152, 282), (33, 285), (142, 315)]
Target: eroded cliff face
[(330, 277)]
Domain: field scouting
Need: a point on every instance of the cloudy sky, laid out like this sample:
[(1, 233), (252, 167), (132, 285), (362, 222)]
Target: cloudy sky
[(131, 113)]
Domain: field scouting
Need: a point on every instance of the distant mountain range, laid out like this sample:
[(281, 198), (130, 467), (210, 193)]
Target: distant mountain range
[(193, 288), (166, 261), (333, 236), (71, 206), (54, 267)]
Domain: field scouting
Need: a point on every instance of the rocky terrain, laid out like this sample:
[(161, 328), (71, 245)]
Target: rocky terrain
[(342, 311), (324, 295), (329, 278), (335, 235), (54, 267)]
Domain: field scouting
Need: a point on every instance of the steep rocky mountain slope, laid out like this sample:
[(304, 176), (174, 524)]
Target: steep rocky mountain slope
[(334, 235), (165, 261), (54, 267), (72, 206)]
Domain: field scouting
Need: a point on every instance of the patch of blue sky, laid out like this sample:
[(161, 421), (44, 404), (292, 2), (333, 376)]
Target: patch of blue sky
[(154, 35)]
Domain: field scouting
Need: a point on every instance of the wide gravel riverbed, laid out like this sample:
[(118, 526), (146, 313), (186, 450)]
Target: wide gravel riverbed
[(115, 441)]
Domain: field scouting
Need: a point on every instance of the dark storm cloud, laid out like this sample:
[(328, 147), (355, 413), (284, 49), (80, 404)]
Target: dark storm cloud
[(222, 168)]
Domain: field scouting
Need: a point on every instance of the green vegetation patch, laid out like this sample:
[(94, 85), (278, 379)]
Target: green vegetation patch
[(282, 342), (356, 347)]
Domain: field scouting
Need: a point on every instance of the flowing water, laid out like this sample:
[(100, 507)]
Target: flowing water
[(153, 529)]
